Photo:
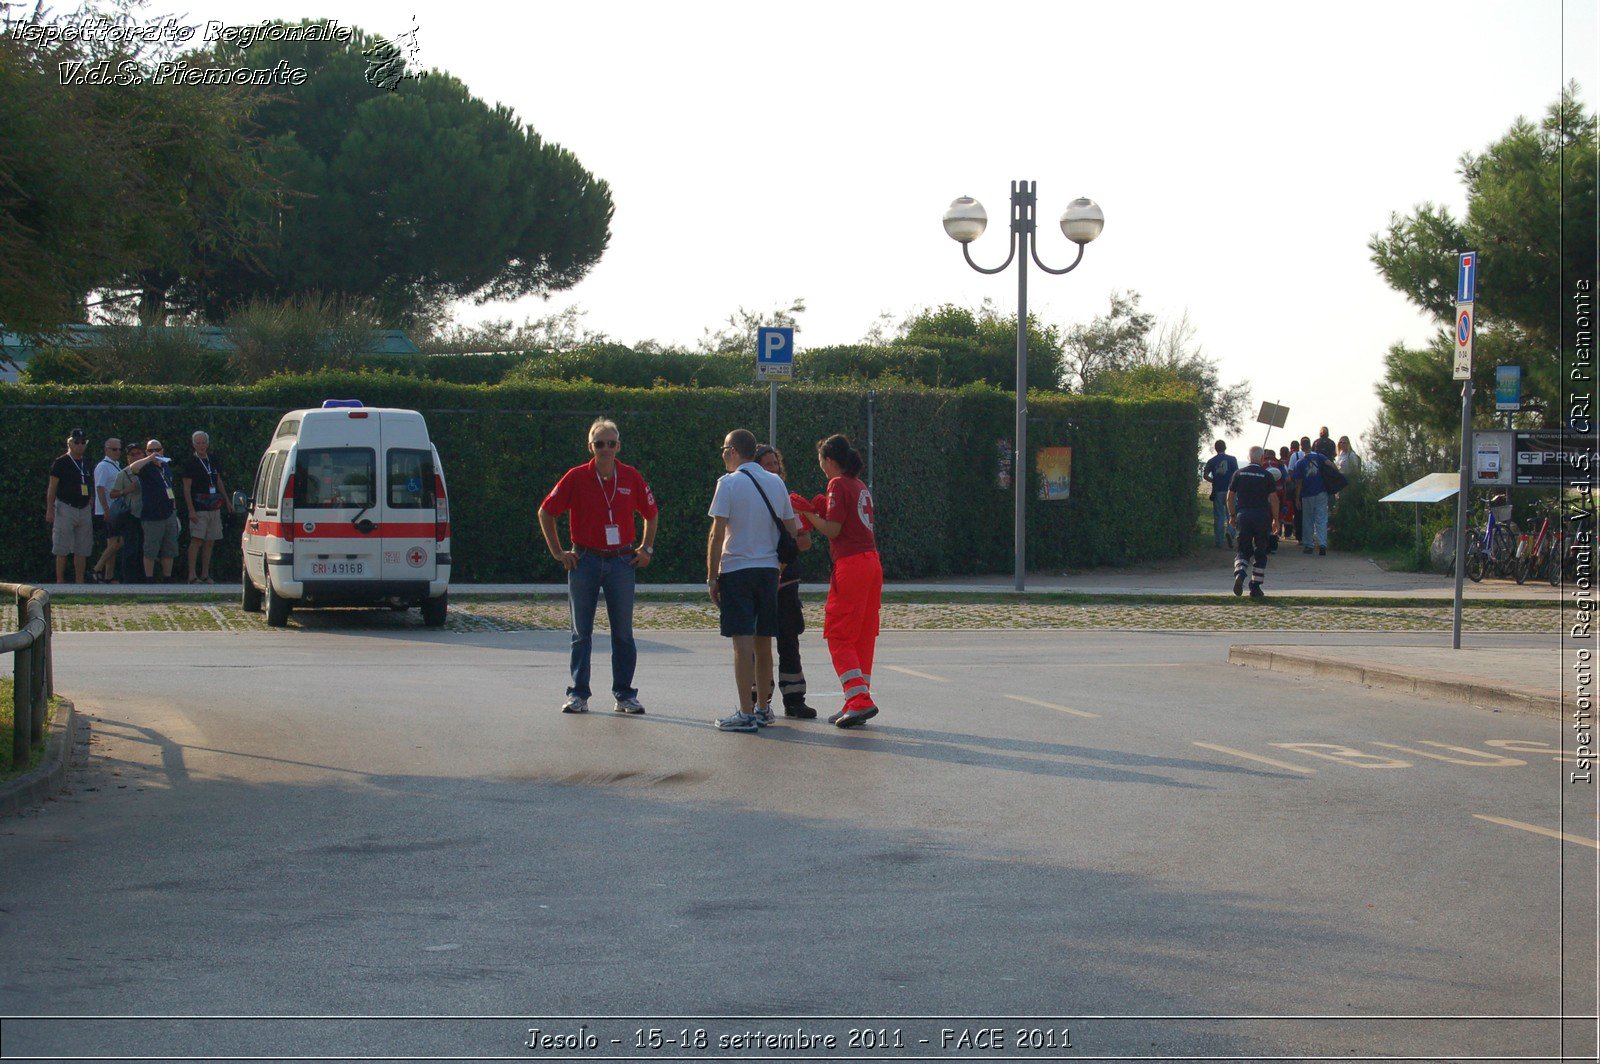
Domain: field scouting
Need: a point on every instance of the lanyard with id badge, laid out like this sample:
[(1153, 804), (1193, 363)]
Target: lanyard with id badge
[(613, 530), (211, 484)]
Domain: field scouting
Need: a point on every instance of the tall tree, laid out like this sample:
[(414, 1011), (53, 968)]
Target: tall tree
[(1531, 219), (1126, 351), (109, 181), (1113, 341), (410, 198)]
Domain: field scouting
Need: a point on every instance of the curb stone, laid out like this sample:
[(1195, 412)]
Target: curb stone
[(1484, 695), (46, 781)]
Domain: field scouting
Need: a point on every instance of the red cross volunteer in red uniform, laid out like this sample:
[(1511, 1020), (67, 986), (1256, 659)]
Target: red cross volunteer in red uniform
[(855, 594), (601, 497)]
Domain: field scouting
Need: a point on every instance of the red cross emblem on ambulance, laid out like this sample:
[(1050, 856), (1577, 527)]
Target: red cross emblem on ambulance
[(415, 557)]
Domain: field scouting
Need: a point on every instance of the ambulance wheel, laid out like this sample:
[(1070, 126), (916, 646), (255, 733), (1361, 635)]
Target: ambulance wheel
[(435, 610), (250, 596), (277, 607)]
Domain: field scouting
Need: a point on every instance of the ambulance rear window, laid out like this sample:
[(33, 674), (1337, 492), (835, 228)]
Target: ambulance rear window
[(335, 477), (274, 489), (410, 479)]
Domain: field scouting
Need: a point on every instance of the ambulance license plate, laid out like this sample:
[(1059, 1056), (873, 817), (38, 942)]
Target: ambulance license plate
[(338, 568)]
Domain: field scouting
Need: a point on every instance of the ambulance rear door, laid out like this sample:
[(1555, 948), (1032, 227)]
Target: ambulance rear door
[(407, 478), (337, 499)]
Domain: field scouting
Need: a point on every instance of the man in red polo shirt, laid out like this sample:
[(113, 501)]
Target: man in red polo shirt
[(601, 498)]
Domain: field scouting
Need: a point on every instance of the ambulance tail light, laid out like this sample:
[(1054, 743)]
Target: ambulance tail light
[(286, 508), (441, 511)]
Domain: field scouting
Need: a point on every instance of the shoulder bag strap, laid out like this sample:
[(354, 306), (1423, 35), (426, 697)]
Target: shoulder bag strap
[(781, 527)]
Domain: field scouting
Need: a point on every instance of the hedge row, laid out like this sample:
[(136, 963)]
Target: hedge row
[(938, 361), (935, 465)]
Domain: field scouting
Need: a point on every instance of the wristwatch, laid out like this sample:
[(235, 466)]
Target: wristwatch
[(648, 550)]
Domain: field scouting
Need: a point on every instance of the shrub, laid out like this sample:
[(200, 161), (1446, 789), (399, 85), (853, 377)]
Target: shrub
[(302, 335), (935, 462), (131, 354)]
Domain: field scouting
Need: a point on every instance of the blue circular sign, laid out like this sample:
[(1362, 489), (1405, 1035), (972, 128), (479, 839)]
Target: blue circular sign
[(1464, 328)]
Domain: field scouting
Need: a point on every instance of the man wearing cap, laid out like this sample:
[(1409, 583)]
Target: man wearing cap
[(159, 514), (601, 496), (67, 508)]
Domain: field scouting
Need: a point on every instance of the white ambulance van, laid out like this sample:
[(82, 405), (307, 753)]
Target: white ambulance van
[(348, 508)]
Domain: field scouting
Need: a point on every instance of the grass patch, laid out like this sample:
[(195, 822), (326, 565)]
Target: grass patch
[(8, 726), (203, 604)]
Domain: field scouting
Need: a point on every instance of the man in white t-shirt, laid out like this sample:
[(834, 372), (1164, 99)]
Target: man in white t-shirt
[(742, 571), (105, 478)]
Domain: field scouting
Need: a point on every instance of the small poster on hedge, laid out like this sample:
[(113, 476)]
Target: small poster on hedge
[(1055, 472)]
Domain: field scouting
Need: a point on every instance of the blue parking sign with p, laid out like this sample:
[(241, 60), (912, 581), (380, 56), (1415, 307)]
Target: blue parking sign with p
[(774, 352)]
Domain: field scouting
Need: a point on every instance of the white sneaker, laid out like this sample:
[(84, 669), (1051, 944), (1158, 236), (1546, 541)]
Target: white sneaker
[(575, 704), (763, 715), (628, 705)]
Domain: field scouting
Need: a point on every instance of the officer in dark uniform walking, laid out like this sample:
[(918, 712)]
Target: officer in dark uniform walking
[(1253, 511)]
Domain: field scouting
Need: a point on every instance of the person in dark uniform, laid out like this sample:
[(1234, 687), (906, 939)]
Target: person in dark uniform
[(791, 616), (1253, 512)]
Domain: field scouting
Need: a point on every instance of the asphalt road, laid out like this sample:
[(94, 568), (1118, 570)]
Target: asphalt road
[(1109, 832)]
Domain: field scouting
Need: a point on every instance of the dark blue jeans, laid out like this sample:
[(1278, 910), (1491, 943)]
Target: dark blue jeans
[(1219, 515), (614, 577)]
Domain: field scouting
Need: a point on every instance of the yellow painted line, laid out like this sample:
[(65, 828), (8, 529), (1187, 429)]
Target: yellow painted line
[(1052, 705), (918, 675), (1258, 757), (1537, 830)]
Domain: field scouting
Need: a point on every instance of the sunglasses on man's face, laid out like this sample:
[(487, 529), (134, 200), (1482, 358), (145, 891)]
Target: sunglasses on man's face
[(607, 443)]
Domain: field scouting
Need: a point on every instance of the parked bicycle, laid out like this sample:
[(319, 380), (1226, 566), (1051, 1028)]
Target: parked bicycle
[(1492, 549), (1537, 554)]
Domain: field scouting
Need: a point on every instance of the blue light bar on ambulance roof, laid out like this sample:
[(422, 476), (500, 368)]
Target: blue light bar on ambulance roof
[(334, 404)]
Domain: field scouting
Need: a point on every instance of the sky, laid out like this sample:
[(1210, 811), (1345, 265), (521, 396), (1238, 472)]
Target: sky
[(1243, 153)]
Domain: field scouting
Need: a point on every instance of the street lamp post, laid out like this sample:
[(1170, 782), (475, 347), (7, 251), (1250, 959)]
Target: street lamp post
[(965, 221)]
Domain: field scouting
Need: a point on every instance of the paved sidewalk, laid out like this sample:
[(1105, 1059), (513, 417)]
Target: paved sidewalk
[(1208, 572), (1521, 679)]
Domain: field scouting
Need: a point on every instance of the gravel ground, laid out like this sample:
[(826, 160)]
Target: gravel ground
[(513, 616)]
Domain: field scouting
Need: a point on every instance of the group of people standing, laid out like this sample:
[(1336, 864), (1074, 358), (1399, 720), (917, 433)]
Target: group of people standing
[(1275, 494), (133, 510), (758, 529)]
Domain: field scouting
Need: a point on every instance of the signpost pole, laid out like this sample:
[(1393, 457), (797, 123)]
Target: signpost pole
[(1461, 510), (774, 361), (1466, 284)]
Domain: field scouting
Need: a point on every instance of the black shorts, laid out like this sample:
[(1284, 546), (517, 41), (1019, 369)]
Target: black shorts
[(749, 602)]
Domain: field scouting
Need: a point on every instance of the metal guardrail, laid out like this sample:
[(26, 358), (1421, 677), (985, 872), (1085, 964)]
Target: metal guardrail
[(33, 679)]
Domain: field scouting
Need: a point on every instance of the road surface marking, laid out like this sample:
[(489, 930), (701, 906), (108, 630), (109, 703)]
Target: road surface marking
[(1592, 844), (1479, 759), (1345, 755), (1052, 705), (1258, 757), (918, 675)]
